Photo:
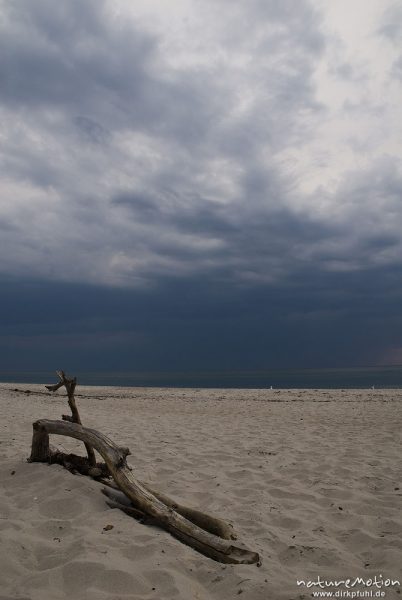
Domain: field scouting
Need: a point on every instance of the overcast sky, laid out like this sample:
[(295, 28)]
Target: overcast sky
[(193, 184)]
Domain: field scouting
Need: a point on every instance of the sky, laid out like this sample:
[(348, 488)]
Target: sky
[(200, 185)]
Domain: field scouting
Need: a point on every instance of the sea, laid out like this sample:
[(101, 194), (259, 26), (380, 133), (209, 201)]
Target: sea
[(340, 378)]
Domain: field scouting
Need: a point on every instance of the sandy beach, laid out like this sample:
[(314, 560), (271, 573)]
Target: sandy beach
[(309, 479)]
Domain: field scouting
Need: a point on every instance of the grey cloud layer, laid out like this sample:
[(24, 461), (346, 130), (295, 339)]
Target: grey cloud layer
[(94, 113), (162, 168)]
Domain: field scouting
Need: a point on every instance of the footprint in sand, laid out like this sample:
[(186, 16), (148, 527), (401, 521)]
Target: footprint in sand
[(55, 554)]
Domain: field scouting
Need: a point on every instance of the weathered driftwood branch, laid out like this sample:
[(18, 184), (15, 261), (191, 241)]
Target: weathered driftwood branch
[(77, 464), (141, 497), (212, 524), (70, 384), (117, 499)]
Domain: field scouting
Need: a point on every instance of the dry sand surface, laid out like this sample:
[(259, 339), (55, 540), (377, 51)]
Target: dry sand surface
[(310, 479)]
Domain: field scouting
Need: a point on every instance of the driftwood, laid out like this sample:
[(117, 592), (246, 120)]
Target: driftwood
[(212, 524), (70, 384), (209, 535)]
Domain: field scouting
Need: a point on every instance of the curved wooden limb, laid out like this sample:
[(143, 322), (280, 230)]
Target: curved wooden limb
[(209, 544), (212, 524)]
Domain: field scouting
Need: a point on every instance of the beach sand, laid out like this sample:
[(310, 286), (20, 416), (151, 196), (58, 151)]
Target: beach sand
[(310, 479)]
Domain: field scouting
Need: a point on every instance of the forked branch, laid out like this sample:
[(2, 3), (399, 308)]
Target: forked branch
[(208, 535), (70, 384), (162, 510)]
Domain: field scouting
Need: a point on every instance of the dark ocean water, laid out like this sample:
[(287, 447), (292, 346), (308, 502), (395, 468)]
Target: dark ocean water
[(363, 377)]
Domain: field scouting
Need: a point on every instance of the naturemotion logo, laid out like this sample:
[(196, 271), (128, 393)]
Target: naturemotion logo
[(373, 587)]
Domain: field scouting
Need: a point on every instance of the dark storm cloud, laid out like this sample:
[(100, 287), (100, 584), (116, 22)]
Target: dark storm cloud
[(80, 60), (265, 240), (150, 213), (251, 244), (192, 324), (63, 54), (85, 83)]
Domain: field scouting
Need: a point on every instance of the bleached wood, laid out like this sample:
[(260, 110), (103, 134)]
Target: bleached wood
[(143, 499), (212, 524), (70, 385)]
